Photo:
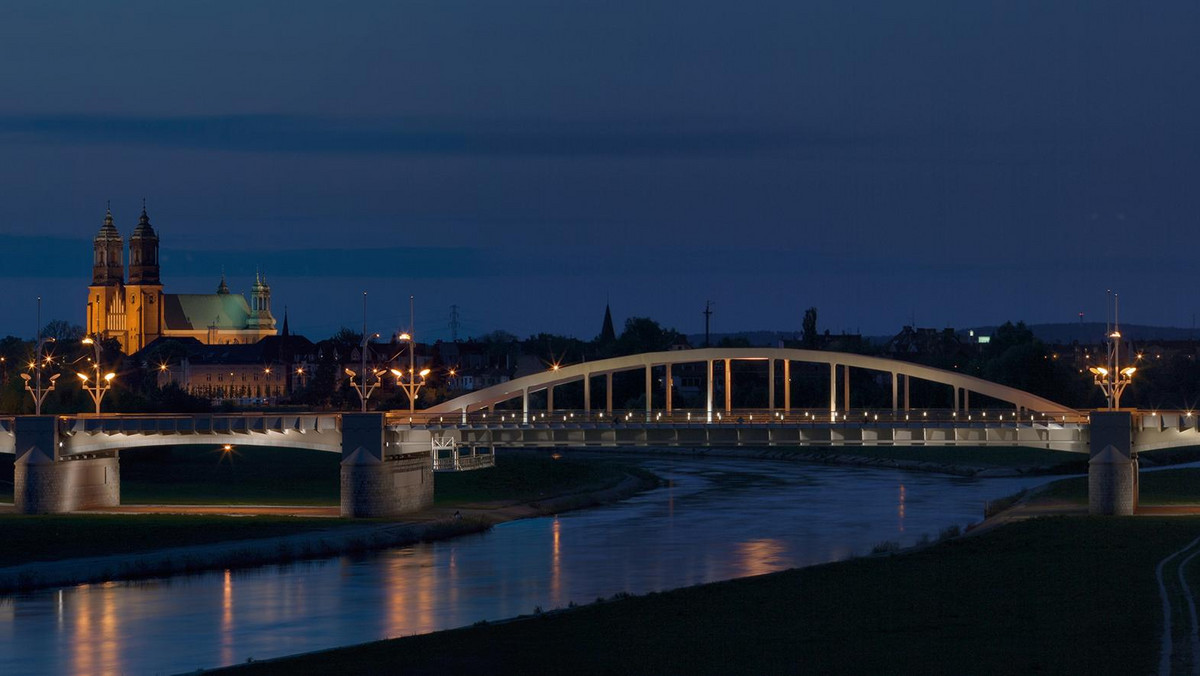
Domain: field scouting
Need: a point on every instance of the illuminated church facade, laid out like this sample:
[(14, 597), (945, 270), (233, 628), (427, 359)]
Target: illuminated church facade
[(135, 311)]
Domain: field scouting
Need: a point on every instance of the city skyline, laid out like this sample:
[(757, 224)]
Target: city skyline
[(935, 164)]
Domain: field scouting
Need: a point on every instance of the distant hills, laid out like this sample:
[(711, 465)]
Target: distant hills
[(1058, 334)]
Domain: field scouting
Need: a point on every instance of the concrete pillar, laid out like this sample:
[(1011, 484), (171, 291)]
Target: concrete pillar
[(728, 385), (708, 383), (378, 481), (907, 408), (895, 388), (787, 386), (608, 392), (668, 382), (846, 387), (525, 405), (46, 482), (550, 399), (1112, 468), (649, 389), (832, 388), (966, 400), (957, 396), (587, 393), (464, 415), (771, 384)]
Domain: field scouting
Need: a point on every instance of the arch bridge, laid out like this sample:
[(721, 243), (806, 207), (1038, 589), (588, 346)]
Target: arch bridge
[(898, 371)]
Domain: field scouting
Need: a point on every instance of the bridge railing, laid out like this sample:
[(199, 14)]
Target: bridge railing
[(742, 416), (738, 417)]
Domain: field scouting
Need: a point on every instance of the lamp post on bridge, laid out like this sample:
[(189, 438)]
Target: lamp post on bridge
[(364, 389), (33, 385), (1112, 379), (102, 385), (408, 381)]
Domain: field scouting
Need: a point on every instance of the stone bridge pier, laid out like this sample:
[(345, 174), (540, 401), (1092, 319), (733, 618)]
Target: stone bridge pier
[(1113, 466), (380, 479), (46, 482)]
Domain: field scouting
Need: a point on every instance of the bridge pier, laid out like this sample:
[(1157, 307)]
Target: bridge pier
[(377, 481), (45, 482), (1113, 468)]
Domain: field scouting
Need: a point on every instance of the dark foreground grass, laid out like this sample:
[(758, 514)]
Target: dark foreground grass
[(1164, 487), (53, 537), (190, 475), (1051, 596)]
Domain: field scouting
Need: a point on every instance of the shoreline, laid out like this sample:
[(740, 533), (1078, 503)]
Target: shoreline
[(436, 523)]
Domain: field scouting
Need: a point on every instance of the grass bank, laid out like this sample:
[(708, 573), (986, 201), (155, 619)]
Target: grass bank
[(1053, 595)]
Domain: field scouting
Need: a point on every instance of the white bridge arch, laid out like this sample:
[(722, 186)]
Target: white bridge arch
[(963, 384)]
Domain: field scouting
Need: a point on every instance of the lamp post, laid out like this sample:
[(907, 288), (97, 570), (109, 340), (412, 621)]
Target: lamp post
[(411, 383), (33, 385), (1112, 379), (408, 381), (365, 389), (101, 385)]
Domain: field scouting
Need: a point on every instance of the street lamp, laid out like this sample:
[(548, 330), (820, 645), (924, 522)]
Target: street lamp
[(34, 385), (102, 385), (409, 382), (1112, 379), (364, 390)]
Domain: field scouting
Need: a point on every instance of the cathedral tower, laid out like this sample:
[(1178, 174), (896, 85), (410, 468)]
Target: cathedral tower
[(144, 292), (143, 252), (108, 266), (106, 295), (260, 305)]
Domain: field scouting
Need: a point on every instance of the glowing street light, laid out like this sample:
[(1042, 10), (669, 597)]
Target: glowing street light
[(33, 384), (1112, 380), (102, 384), (99, 389), (408, 380), (365, 389)]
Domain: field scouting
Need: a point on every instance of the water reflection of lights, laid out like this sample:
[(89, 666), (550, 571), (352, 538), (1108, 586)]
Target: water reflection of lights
[(758, 557), (227, 619), (556, 563), (412, 594), (900, 508)]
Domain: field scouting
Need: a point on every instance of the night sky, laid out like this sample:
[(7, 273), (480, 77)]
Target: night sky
[(956, 163)]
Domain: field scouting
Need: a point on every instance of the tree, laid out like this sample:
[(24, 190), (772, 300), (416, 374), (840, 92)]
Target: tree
[(809, 336), (643, 334), (61, 330)]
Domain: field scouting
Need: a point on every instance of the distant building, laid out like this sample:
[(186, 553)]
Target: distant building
[(260, 373), (137, 312)]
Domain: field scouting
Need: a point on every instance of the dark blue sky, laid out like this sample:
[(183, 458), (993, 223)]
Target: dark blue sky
[(959, 163)]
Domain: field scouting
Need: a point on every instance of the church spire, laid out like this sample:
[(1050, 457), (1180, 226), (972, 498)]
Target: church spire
[(108, 263), (143, 252), (607, 334), (223, 288)]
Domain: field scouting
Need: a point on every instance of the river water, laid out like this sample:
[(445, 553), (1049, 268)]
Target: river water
[(718, 519)]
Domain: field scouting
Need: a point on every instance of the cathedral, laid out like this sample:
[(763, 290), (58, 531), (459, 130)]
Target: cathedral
[(136, 312)]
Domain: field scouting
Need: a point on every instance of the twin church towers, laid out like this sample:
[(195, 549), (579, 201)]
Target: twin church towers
[(137, 312)]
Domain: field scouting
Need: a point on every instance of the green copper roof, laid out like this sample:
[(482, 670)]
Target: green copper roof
[(199, 311)]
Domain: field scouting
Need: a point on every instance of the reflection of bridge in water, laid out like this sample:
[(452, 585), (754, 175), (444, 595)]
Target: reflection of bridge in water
[(71, 462)]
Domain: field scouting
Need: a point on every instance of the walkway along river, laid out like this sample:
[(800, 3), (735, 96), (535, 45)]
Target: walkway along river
[(718, 519)]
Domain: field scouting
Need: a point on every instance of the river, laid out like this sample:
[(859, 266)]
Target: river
[(718, 519)]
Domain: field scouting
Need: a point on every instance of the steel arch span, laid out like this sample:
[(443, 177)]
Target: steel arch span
[(522, 387)]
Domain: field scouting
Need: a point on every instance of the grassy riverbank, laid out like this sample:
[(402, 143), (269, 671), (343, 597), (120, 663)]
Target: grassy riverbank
[(1054, 595)]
